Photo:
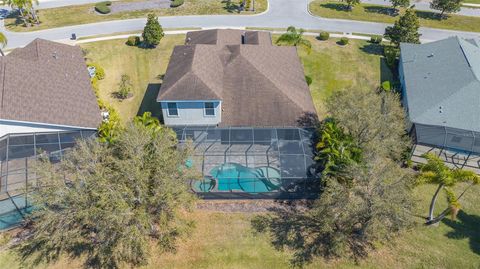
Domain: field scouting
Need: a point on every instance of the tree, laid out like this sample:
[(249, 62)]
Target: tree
[(345, 221), (376, 122), (107, 203), (449, 6), (124, 87), (294, 37), (153, 32), (405, 29), (335, 150), (351, 3), (22, 6), (399, 3), (435, 171), (3, 43)]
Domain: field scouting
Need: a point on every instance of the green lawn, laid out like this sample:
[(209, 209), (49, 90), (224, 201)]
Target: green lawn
[(472, 1), (226, 240), (81, 14), (144, 66), (377, 13)]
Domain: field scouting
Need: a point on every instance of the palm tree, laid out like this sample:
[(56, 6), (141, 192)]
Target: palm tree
[(294, 37), (3, 43), (335, 150), (147, 120), (435, 171), (24, 5)]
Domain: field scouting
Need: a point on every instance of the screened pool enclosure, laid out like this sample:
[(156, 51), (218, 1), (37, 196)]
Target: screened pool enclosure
[(252, 162), (18, 153)]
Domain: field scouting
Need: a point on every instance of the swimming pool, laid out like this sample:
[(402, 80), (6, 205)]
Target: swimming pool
[(238, 178)]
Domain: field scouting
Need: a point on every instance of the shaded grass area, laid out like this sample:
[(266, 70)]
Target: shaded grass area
[(81, 14), (377, 13), (226, 240), (144, 66)]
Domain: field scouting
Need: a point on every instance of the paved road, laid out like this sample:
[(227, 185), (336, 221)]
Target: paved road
[(59, 3), (281, 14), (425, 5)]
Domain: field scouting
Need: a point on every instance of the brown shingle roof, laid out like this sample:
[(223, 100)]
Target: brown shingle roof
[(47, 82), (224, 37), (258, 85)]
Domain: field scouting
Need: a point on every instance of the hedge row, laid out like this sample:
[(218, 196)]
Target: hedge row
[(103, 7)]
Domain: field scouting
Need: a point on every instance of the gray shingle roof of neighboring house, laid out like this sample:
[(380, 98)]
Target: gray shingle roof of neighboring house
[(47, 82), (259, 85), (442, 82)]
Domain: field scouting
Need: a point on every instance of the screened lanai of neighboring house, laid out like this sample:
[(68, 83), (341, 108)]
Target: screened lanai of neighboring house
[(252, 162), (18, 153)]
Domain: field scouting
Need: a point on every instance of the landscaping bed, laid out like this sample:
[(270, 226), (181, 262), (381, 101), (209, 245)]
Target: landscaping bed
[(378, 13)]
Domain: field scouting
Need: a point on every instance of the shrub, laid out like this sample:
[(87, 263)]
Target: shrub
[(176, 3), (133, 40), (99, 71), (343, 41), (324, 36), (309, 80), (386, 86), (103, 7), (125, 87), (376, 39)]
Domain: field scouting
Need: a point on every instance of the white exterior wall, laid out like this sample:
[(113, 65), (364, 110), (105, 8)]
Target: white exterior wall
[(192, 113), (13, 127)]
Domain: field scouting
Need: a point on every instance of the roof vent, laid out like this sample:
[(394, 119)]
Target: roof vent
[(54, 54), (440, 109), (431, 55)]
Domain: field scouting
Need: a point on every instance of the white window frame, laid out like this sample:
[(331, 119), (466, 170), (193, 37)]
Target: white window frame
[(205, 110), (168, 110)]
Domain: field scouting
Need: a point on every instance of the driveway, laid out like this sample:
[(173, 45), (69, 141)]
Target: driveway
[(281, 14)]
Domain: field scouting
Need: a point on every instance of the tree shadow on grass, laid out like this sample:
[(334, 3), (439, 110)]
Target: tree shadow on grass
[(466, 227), (381, 10), (149, 101), (336, 6), (374, 49)]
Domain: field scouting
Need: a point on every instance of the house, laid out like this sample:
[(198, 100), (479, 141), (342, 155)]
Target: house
[(441, 93), (45, 87), (234, 78), (243, 103)]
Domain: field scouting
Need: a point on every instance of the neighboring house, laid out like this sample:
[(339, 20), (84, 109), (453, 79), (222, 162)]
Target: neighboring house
[(441, 94), (235, 78), (46, 104), (45, 87)]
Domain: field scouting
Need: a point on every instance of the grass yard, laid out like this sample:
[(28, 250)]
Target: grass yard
[(377, 13), (81, 14), (144, 66), (226, 240), (358, 65)]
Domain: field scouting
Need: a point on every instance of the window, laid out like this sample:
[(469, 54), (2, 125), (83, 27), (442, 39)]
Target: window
[(172, 109), (209, 109)]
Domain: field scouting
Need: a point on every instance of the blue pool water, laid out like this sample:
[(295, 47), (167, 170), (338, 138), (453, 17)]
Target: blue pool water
[(236, 177)]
